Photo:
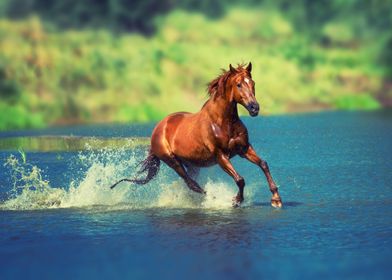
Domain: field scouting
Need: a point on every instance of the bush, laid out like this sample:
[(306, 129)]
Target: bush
[(9, 88), (98, 76), (355, 102), (16, 117)]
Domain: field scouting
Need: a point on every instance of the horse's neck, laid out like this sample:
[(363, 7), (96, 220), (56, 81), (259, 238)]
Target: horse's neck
[(221, 111)]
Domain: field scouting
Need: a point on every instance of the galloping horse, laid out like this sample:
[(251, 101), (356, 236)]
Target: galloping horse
[(186, 142)]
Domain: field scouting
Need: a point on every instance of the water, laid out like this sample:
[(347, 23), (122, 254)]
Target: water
[(58, 219)]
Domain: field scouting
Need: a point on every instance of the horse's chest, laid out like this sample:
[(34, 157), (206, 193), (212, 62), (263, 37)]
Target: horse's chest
[(232, 141), (221, 136)]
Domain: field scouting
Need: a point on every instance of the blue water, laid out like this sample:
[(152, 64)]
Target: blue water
[(334, 172)]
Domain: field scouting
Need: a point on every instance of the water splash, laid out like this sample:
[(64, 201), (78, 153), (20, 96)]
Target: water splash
[(90, 188), (177, 195), (29, 190)]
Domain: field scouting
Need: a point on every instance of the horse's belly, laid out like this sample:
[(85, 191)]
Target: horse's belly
[(193, 152), (201, 163)]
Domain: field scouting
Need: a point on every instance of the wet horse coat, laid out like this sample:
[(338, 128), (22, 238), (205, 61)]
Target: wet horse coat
[(186, 141)]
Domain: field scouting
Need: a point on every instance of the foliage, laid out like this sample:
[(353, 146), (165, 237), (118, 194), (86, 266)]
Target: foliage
[(53, 75), (13, 117), (355, 102)]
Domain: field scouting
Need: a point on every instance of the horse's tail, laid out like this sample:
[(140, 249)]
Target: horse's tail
[(150, 165)]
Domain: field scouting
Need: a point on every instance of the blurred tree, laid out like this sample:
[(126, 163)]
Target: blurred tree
[(386, 56), (115, 14), (335, 54), (138, 15), (9, 88)]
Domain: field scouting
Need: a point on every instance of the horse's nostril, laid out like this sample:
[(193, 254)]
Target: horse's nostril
[(254, 107)]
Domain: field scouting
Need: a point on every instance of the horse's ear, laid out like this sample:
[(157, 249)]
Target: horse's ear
[(232, 69), (249, 67)]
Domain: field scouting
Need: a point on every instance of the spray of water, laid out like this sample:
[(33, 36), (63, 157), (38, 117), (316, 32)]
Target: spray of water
[(90, 188)]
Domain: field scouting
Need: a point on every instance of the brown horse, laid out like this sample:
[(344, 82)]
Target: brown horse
[(186, 141)]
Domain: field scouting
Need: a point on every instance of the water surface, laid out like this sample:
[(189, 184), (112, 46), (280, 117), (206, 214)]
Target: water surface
[(58, 219)]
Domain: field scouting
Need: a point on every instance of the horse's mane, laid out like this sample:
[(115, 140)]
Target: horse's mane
[(217, 85)]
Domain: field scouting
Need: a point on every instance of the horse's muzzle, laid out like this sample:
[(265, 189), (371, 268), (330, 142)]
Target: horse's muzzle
[(253, 109)]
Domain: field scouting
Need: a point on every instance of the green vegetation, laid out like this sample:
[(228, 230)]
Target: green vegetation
[(51, 75)]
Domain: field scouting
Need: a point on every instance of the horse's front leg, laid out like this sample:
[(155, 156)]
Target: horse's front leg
[(251, 155), (225, 164)]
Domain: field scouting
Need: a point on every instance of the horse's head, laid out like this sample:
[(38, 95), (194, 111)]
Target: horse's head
[(243, 88)]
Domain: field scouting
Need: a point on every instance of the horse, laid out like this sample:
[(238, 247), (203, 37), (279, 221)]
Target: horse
[(188, 141)]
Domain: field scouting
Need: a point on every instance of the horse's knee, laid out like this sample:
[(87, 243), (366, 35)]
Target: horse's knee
[(263, 164)]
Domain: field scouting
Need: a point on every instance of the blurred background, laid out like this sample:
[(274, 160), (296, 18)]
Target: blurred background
[(70, 62)]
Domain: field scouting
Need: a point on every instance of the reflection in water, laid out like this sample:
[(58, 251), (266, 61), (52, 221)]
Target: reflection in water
[(286, 204), (224, 240), (70, 143)]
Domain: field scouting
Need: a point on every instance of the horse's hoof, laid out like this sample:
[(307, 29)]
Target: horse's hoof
[(237, 202), (276, 203)]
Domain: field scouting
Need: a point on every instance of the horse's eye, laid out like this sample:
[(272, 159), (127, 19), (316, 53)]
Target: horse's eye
[(239, 85)]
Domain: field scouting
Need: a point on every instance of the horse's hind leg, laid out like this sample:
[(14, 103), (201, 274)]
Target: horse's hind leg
[(193, 171), (177, 165)]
